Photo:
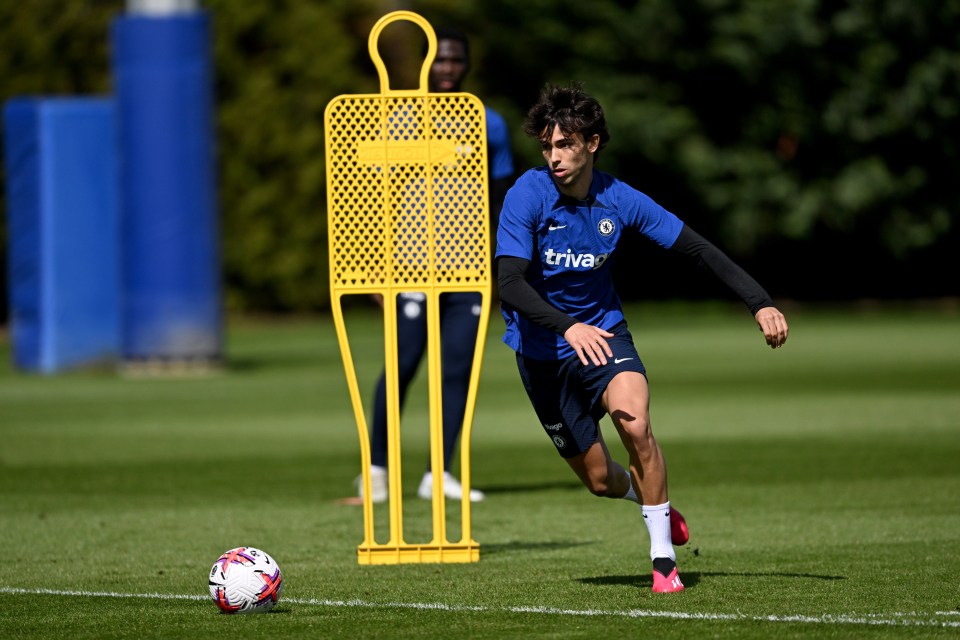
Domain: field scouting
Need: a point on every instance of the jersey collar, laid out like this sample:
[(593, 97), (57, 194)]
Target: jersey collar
[(563, 201)]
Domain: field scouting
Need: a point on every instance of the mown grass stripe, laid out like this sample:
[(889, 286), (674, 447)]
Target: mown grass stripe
[(912, 619)]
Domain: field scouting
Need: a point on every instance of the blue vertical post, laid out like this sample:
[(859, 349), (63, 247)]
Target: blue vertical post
[(171, 290)]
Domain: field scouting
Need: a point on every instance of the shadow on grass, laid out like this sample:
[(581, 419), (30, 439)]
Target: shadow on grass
[(692, 578)]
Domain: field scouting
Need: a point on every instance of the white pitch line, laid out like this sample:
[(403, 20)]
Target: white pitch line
[(898, 619)]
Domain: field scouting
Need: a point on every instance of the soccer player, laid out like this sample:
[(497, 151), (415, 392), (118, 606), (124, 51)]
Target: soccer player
[(559, 227), (459, 312)]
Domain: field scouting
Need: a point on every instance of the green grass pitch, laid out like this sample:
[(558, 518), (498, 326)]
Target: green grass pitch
[(821, 483)]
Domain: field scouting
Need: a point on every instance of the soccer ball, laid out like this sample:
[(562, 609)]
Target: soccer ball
[(245, 580)]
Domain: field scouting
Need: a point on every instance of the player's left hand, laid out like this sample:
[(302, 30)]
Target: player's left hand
[(773, 324)]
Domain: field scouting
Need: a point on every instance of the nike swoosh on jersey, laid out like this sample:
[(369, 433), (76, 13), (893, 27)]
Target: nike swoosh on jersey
[(553, 228), (619, 360)]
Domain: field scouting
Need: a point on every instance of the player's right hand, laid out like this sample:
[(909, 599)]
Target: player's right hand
[(589, 343)]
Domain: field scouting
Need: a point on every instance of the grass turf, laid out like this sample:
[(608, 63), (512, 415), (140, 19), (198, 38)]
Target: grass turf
[(821, 483)]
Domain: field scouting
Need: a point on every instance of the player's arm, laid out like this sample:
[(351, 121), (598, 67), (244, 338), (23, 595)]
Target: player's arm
[(769, 319), (588, 341)]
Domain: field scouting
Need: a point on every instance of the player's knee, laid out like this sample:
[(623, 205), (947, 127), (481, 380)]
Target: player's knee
[(598, 489), (640, 433), (598, 484)]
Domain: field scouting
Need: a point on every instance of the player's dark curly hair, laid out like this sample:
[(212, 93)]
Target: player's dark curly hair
[(569, 108)]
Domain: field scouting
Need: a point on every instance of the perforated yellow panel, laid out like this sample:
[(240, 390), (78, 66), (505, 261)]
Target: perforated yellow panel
[(408, 211), (408, 192)]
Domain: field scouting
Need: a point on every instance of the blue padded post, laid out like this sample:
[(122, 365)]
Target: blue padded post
[(171, 265)]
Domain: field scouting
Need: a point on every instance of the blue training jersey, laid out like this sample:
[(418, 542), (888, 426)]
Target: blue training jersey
[(498, 145), (570, 244)]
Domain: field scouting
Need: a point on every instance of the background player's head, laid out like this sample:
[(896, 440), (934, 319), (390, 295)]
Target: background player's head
[(572, 110), (452, 62)]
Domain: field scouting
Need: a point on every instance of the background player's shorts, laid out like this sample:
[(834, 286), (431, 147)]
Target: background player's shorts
[(567, 396)]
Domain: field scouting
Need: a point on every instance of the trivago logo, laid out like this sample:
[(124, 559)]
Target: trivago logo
[(575, 260)]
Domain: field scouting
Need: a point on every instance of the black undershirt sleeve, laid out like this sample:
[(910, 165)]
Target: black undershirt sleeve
[(710, 258), (517, 292)]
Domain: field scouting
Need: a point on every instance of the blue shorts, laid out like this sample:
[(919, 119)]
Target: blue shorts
[(567, 395)]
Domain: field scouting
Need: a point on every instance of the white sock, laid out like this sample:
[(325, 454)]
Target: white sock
[(657, 519), (630, 494)]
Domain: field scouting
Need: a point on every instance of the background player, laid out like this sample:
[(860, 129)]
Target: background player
[(459, 312), (559, 228)]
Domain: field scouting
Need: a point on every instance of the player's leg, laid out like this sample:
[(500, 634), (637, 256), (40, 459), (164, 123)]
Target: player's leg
[(411, 343), (459, 320), (566, 412), (627, 400), (460, 317), (568, 404), (599, 472)]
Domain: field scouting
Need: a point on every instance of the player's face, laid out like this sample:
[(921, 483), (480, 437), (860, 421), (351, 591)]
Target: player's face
[(449, 67), (570, 160)]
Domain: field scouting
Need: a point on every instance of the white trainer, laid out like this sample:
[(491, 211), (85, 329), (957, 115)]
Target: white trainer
[(378, 484), (451, 488)]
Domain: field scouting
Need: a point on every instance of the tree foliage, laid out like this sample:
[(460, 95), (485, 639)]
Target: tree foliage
[(815, 139), (49, 48), (278, 65), (820, 133)]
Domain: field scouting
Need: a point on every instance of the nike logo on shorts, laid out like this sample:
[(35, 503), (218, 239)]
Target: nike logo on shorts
[(619, 360)]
